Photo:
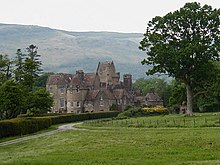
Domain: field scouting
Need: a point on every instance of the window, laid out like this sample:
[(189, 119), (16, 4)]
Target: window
[(101, 101), (61, 90), (71, 104), (77, 104), (77, 89), (62, 103), (119, 101)]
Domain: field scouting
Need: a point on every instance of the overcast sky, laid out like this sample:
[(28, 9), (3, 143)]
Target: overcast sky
[(90, 15)]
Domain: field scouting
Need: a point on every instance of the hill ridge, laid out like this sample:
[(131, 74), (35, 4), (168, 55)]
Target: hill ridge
[(67, 51)]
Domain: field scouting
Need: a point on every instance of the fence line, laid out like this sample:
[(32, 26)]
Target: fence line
[(157, 123)]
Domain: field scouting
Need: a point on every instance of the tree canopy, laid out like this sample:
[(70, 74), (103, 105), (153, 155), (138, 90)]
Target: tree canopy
[(182, 43), (18, 87)]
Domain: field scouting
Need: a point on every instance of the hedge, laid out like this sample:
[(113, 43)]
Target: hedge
[(81, 117), (25, 125), (22, 126)]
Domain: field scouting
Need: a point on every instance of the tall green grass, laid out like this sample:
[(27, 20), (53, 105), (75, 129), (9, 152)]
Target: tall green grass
[(112, 145), (198, 120)]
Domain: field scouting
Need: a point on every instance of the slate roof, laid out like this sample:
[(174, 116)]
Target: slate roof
[(87, 80), (151, 96), (118, 93), (109, 94), (91, 95), (60, 79)]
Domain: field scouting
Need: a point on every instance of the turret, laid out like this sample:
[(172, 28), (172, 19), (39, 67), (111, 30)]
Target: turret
[(127, 81)]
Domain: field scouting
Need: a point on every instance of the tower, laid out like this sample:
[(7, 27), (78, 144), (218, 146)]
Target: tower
[(127, 81)]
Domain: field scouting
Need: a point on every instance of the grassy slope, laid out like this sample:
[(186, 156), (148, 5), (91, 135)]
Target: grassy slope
[(119, 145)]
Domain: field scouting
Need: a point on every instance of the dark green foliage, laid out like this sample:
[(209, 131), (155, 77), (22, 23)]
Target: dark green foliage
[(138, 112), (41, 80), (113, 107), (19, 69), (26, 125), (31, 67), (132, 112), (22, 96), (39, 102), (12, 100), (5, 68), (162, 87), (181, 44), (208, 92), (178, 93), (81, 117), (22, 126)]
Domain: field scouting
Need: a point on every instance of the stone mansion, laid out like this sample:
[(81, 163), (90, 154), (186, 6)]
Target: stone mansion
[(92, 92)]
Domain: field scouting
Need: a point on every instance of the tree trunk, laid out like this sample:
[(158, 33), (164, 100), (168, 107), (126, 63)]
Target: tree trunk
[(189, 92)]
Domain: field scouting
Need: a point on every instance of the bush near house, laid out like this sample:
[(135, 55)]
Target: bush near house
[(156, 110), (146, 111)]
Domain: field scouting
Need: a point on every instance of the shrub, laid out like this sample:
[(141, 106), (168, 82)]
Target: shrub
[(25, 125), (156, 110), (22, 126), (80, 117), (137, 112), (131, 112)]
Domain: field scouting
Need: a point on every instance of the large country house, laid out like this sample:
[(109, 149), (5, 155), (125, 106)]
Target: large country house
[(90, 92), (96, 92)]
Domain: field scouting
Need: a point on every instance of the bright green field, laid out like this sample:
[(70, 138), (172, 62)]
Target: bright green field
[(119, 145)]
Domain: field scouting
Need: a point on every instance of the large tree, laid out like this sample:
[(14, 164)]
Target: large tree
[(31, 67), (19, 66), (181, 43), (5, 68), (12, 100), (40, 101)]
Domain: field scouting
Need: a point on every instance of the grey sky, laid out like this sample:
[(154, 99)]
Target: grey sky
[(90, 15)]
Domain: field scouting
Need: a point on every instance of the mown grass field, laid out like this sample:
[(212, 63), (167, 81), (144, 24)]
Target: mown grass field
[(114, 144)]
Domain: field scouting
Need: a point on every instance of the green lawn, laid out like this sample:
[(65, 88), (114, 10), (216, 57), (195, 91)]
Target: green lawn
[(119, 145), (198, 120)]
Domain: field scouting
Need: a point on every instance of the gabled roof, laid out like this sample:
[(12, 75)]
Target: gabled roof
[(109, 94), (91, 95), (118, 93), (60, 79), (152, 96), (87, 80)]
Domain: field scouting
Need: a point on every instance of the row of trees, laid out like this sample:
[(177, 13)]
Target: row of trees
[(18, 90), (185, 44)]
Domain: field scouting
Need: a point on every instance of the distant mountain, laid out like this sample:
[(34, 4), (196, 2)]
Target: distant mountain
[(65, 51)]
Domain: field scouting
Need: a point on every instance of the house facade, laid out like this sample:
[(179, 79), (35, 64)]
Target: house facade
[(90, 92)]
